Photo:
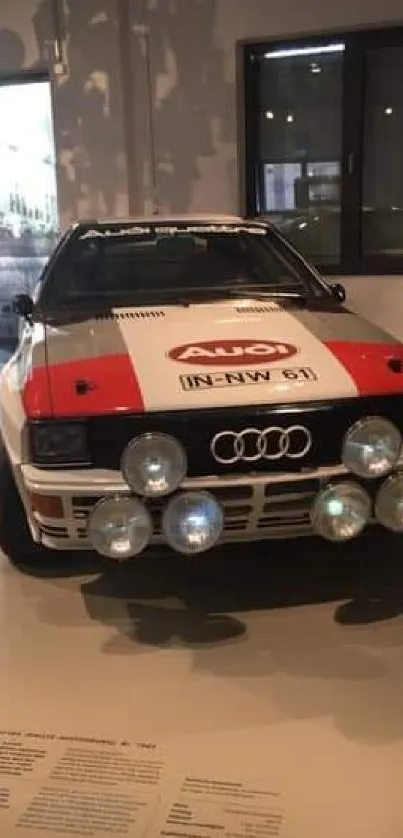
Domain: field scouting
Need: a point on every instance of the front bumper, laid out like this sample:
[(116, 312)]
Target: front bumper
[(256, 507)]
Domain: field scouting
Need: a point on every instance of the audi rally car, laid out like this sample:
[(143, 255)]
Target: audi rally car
[(188, 382)]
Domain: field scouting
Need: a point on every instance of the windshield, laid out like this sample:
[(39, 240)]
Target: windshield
[(180, 264)]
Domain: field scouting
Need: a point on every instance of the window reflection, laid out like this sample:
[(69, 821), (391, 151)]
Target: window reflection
[(300, 146), (382, 224)]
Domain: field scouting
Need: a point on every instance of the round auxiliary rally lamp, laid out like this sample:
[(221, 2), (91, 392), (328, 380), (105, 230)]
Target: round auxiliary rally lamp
[(120, 528), (154, 465), (341, 511), (372, 447), (193, 522), (389, 503)]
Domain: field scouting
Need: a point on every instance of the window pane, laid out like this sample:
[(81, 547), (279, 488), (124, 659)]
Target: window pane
[(28, 205), (382, 218), (300, 146)]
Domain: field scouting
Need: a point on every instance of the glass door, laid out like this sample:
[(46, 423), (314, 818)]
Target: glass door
[(28, 200)]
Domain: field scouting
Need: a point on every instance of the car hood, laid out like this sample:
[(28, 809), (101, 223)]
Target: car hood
[(215, 355)]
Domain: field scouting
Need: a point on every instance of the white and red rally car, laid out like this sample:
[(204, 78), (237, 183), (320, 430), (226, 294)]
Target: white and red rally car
[(189, 381)]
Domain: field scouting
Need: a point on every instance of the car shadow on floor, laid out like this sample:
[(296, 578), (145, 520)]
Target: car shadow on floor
[(240, 613), (168, 599)]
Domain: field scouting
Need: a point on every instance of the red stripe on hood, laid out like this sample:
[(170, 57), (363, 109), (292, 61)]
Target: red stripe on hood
[(369, 365), (112, 388), (36, 394)]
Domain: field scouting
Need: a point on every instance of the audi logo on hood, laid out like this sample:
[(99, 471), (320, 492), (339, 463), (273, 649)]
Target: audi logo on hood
[(232, 352)]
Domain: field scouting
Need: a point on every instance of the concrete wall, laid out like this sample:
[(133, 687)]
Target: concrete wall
[(379, 299), (193, 80), (87, 99), (102, 108), (102, 112)]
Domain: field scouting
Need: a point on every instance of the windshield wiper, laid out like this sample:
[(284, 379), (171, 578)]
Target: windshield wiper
[(235, 293), (85, 307), (268, 295)]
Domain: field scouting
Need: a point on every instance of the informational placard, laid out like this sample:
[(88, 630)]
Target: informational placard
[(63, 785), (204, 807)]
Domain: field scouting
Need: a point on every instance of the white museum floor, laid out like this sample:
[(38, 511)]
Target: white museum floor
[(278, 667)]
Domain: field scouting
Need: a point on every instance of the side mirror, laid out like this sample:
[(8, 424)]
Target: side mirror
[(23, 305), (338, 292)]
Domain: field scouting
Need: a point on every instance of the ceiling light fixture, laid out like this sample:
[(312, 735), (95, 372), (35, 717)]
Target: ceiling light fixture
[(291, 53)]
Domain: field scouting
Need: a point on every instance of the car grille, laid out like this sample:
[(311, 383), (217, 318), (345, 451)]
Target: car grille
[(52, 531), (325, 422), (251, 511)]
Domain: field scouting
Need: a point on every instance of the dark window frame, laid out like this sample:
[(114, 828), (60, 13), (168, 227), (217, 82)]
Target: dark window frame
[(27, 76), (357, 42)]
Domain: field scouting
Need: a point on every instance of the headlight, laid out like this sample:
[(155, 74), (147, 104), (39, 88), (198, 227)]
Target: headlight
[(120, 528), (193, 522), (154, 465), (341, 511), (389, 503), (372, 447), (55, 442)]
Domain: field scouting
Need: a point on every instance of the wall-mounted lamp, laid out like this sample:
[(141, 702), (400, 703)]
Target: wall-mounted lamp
[(60, 67)]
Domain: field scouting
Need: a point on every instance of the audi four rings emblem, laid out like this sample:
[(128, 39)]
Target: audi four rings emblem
[(251, 444)]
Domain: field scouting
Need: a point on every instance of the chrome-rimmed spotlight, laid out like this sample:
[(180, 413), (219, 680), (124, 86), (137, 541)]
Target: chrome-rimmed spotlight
[(372, 447), (341, 511), (389, 503), (193, 522), (154, 465), (120, 528)]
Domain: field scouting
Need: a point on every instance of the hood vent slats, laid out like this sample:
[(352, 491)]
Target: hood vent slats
[(130, 315), (265, 309)]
